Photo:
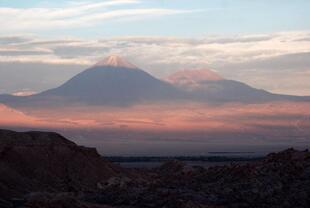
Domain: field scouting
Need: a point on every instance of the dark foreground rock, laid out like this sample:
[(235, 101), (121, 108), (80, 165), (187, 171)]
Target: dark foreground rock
[(279, 180), (45, 161), (44, 170)]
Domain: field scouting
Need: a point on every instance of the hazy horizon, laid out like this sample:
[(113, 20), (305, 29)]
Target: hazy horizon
[(185, 76)]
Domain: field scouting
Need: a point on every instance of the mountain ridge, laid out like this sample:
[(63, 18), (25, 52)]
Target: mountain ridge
[(116, 82)]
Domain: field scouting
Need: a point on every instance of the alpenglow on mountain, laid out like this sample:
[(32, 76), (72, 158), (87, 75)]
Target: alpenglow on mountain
[(115, 61), (117, 82)]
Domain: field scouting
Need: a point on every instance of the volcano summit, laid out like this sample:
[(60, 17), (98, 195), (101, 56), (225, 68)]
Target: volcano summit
[(117, 82)]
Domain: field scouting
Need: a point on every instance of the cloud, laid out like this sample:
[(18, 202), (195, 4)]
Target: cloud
[(304, 39), (83, 14), (51, 42), (24, 92), (294, 82), (257, 59), (275, 50), (293, 61), (241, 39), (73, 51), (23, 52), (8, 40)]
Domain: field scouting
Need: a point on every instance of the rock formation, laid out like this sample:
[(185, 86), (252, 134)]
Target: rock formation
[(45, 170), (47, 162)]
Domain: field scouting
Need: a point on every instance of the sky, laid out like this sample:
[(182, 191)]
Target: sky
[(265, 43), (181, 18)]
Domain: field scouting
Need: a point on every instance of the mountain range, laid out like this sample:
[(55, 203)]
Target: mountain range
[(116, 82)]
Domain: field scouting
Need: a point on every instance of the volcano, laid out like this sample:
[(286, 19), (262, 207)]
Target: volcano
[(112, 81), (115, 81), (208, 86), (193, 77)]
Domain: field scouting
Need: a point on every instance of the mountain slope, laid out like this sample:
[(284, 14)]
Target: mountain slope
[(112, 81), (116, 82), (192, 77), (113, 85), (207, 85)]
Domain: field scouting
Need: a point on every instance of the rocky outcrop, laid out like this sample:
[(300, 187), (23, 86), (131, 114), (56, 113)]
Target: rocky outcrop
[(45, 170), (57, 200), (280, 180), (47, 162)]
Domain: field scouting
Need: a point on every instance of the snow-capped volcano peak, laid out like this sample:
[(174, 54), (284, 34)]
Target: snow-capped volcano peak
[(115, 61)]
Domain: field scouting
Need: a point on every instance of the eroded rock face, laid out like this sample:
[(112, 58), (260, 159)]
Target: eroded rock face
[(57, 200), (45, 170), (280, 180), (46, 161)]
